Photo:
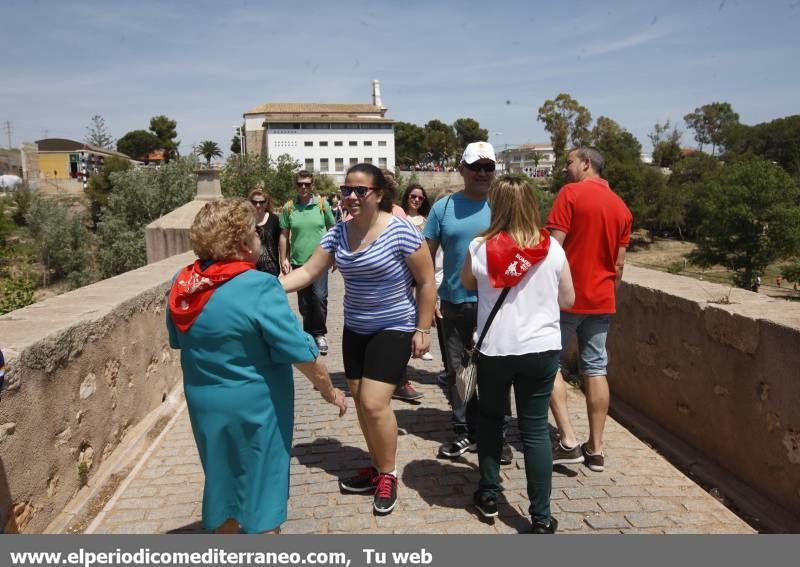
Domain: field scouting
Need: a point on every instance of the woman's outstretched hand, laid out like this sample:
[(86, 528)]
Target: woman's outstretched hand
[(337, 398), (317, 373)]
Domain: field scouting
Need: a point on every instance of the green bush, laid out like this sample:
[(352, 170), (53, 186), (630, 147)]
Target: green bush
[(675, 267), (324, 185), (15, 294), (138, 197), (99, 186), (6, 224), (242, 173), (62, 242), (22, 198)]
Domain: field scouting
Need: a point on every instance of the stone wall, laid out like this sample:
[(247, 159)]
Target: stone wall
[(83, 368), (433, 180), (255, 142), (717, 367)]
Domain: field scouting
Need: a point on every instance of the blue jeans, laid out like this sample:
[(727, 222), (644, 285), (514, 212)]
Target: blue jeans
[(312, 301), (592, 331)]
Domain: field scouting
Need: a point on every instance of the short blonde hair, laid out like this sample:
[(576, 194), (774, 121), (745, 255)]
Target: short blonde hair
[(515, 210), (220, 226)]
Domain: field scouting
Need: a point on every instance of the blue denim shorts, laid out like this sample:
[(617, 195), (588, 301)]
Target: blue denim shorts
[(592, 331)]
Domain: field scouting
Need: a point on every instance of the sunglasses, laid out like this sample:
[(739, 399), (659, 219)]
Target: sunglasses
[(256, 203), (304, 184), (487, 167), (361, 191), (416, 197)]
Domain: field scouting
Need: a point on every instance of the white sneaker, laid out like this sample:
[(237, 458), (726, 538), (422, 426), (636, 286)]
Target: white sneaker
[(427, 356)]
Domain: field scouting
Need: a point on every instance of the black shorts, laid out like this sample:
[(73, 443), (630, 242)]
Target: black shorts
[(382, 356)]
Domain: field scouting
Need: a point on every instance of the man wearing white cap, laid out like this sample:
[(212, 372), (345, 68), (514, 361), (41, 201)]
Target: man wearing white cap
[(452, 224)]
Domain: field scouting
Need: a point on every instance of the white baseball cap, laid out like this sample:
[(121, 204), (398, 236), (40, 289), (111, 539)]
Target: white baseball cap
[(478, 150)]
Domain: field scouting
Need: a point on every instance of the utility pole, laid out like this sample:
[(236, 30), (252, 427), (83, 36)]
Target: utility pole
[(8, 128)]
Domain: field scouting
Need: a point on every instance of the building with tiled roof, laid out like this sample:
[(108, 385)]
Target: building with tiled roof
[(536, 160), (323, 137)]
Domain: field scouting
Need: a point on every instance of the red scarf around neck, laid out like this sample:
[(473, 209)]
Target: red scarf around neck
[(507, 262), (194, 286)]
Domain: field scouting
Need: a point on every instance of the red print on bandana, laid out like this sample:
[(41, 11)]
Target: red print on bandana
[(508, 262)]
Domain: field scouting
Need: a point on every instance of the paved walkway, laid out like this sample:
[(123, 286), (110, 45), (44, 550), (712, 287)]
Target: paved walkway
[(639, 492)]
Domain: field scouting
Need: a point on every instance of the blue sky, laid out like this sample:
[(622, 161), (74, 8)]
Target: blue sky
[(205, 63)]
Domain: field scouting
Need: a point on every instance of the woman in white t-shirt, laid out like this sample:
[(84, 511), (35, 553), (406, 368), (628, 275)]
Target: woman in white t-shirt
[(523, 342)]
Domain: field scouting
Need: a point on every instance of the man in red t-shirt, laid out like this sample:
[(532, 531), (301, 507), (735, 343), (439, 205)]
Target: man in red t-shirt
[(594, 226)]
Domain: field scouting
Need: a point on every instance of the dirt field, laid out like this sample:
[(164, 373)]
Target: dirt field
[(664, 253), (661, 253)]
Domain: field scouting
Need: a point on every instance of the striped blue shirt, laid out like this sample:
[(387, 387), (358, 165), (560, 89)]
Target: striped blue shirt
[(377, 281)]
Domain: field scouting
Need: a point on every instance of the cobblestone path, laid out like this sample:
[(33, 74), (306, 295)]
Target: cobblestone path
[(639, 492)]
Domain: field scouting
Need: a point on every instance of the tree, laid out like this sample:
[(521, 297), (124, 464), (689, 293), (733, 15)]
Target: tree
[(236, 145), (614, 142), (791, 272), (751, 218), (468, 130), (711, 123), (409, 143), (280, 178), (567, 121), (138, 144), (209, 149), (138, 197), (777, 140), (666, 144), (440, 141), (164, 130), (61, 241), (241, 174), (97, 134), (99, 186)]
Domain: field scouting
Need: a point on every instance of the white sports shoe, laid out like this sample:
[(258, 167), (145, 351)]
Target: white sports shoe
[(427, 356)]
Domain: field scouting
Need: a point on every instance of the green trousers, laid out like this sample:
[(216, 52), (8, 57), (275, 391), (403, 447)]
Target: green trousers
[(532, 376)]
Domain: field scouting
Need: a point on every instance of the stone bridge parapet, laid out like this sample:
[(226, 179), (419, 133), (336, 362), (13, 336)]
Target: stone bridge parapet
[(718, 368), (715, 367), (83, 369)]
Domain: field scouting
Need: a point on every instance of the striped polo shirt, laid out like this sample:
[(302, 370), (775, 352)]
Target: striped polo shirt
[(377, 281)]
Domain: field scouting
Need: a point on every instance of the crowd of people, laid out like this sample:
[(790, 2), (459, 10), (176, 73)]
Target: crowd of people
[(479, 265)]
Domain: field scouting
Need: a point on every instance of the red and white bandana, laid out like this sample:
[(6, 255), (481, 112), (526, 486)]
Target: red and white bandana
[(507, 262), (194, 286)]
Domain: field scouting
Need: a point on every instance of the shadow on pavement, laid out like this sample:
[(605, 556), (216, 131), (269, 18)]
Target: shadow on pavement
[(450, 484), (193, 528), (330, 455), (431, 424)]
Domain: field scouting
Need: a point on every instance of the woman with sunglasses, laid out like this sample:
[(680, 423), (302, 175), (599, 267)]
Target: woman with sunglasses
[(521, 347), (379, 256), (268, 229), (416, 205)]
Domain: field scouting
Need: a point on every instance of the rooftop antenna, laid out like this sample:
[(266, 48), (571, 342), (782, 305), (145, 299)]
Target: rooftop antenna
[(8, 128)]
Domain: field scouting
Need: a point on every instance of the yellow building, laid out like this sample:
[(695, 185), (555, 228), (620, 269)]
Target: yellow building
[(60, 158)]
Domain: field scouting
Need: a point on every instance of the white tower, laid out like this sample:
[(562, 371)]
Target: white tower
[(376, 94)]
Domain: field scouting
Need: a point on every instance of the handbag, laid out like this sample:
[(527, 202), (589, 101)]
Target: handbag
[(467, 377)]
